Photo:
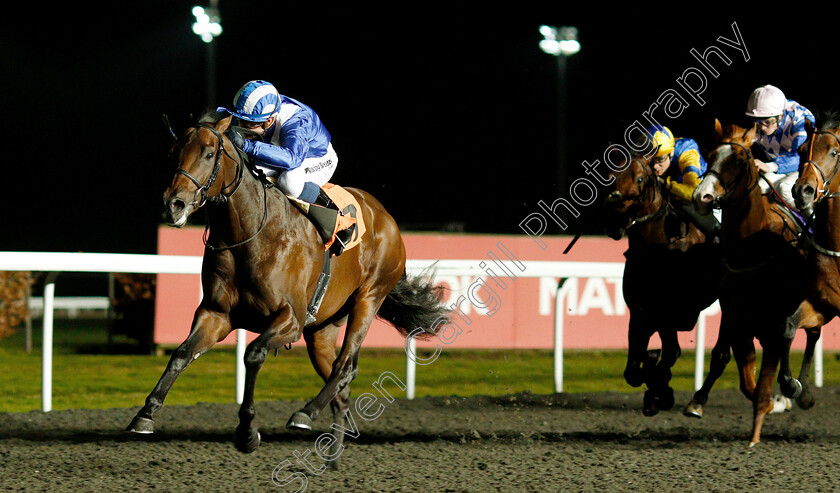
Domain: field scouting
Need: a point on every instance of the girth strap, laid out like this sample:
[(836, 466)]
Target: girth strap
[(320, 290)]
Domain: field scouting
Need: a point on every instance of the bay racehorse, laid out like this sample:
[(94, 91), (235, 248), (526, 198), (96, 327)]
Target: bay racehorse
[(815, 192), (763, 277), (261, 265), (667, 253)]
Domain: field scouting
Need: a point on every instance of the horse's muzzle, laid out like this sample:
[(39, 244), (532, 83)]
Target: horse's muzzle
[(175, 212)]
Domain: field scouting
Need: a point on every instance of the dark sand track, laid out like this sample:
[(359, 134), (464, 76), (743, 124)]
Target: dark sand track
[(523, 442)]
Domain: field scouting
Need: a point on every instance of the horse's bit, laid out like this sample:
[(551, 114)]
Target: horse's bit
[(717, 202)]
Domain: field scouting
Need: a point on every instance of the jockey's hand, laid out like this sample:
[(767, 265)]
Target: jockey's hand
[(765, 167), (235, 138)]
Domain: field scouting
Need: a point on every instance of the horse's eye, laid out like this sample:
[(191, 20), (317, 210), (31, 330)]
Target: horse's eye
[(833, 152), (209, 155), (640, 179)]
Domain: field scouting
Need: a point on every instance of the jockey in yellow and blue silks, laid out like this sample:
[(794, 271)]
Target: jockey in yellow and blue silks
[(677, 162)]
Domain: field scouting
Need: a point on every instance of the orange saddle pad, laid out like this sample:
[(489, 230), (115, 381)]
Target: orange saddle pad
[(349, 213)]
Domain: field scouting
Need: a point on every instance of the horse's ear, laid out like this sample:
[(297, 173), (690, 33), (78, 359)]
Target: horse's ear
[(224, 123), (749, 135), (718, 130)]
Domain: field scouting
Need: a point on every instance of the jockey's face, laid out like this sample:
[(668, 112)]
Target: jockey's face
[(258, 128), (661, 164), (768, 126)]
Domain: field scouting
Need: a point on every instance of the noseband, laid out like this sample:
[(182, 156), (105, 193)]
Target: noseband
[(201, 196), (823, 183), (718, 201)]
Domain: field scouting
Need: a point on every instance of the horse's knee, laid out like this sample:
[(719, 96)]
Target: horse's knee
[(633, 375), (255, 356)]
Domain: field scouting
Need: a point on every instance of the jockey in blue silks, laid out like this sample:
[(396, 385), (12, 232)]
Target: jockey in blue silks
[(781, 125), (289, 143)]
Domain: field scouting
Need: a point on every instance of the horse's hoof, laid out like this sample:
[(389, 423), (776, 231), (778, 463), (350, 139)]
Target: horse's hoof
[(332, 465), (792, 389), (299, 421), (141, 425), (665, 401), (649, 407), (693, 410), (780, 404), (247, 439), (806, 400)]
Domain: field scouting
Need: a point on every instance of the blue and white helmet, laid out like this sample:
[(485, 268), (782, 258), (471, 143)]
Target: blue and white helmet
[(256, 101)]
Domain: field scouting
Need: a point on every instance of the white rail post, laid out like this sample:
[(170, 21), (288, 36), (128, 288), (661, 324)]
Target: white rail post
[(410, 368), (47, 344), (240, 365), (818, 363), (700, 351), (559, 311)]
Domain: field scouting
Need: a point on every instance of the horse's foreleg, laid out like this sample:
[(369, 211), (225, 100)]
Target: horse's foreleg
[(720, 357), (762, 397), (790, 387), (637, 344), (808, 318), (208, 328), (284, 330), (661, 392), (806, 398)]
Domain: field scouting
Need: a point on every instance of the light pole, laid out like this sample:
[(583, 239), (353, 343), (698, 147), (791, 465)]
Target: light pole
[(207, 26), (560, 42)]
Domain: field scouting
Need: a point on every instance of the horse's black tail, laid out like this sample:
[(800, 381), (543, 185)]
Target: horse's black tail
[(415, 306)]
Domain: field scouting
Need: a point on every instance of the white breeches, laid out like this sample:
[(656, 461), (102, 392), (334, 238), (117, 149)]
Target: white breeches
[(317, 170)]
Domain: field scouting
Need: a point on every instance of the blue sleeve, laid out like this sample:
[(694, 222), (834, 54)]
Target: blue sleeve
[(788, 161), (289, 154)]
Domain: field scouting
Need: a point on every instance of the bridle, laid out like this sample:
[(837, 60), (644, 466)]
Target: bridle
[(823, 183), (201, 197), (823, 186), (730, 187), (641, 199)]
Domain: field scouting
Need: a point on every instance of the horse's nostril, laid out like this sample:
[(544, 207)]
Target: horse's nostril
[(807, 191), (707, 198), (176, 205)]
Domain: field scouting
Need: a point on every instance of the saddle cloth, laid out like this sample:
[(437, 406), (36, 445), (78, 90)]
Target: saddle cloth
[(349, 214)]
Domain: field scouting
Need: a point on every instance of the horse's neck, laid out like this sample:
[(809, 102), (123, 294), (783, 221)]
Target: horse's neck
[(651, 232), (826, 229), (249, 210), (746, 218)]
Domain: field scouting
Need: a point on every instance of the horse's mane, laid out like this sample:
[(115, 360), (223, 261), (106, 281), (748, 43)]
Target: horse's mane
[(210, 116), (830, 120)]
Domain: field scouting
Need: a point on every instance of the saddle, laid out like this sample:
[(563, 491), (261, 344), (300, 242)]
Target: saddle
[(341, 228)]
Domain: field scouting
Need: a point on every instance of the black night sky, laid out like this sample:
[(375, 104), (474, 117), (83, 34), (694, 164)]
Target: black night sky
[(448, 117)]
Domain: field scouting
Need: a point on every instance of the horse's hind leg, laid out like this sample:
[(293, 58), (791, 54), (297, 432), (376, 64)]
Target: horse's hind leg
[(345, 366), (208, 328), (806, 398), (321, 347)]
